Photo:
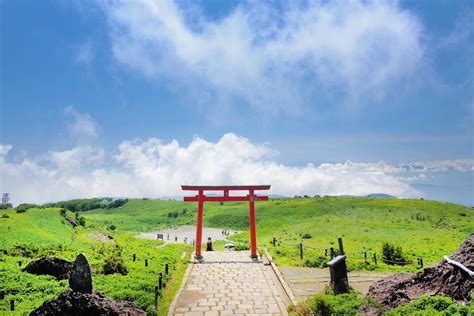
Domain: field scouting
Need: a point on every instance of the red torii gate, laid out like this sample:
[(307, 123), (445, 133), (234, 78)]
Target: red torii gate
[(201, 198)]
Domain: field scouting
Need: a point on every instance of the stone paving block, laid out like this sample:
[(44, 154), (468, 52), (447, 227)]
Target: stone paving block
[(230, 283)]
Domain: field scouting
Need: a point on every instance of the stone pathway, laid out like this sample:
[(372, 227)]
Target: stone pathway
[(308, 281), (230, 283)]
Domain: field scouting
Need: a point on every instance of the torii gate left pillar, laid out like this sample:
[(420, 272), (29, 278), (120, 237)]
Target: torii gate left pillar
[(201, 198)]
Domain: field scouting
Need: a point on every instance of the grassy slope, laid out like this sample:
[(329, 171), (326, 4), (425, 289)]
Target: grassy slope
[(363, 223), (45, 232)]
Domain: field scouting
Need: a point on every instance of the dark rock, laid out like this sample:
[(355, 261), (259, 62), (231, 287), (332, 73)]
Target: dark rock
[(440, 279), (56, 267), (75, 304), (80, 279), (71, 221)]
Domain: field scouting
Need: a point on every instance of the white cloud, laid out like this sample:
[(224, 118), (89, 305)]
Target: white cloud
[(81, 126), (273, 60), (153, 168), (85, 54)]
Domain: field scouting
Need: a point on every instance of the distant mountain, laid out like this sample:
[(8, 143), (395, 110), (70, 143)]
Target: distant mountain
[(381, 195), (372, 195)]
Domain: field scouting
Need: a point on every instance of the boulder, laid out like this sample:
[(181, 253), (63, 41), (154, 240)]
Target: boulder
[(440, 279), (56, 267), (76, 303)]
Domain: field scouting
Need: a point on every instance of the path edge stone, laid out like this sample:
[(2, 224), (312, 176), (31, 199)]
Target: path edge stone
[(283, 283), (183, 285)]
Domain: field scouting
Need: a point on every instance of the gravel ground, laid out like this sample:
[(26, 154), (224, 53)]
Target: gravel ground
[(307, 281), (186, 234)]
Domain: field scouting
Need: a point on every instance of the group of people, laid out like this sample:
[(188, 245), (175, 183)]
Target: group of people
[(225, 232), (209, 240)]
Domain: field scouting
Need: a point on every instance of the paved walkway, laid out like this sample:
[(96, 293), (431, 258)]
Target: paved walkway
[(230, 283), (308, 281)]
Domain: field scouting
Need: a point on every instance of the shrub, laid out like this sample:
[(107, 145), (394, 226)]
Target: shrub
[(5, 216), (80, 219), (307, 236), (62, 212), (392, 253), (117, 203), (5, 206), (242, 246), (315, 262), (22, 208), (111, 227), (431, 305), (114, 263), (330, 304)]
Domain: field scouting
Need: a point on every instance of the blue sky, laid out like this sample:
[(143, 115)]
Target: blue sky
[(311, 83)]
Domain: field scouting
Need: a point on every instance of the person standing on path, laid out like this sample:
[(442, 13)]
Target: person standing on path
[(209, 244)]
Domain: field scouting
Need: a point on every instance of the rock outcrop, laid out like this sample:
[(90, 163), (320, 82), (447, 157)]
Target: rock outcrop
[(76, 303), (56, 267), (440, 279)]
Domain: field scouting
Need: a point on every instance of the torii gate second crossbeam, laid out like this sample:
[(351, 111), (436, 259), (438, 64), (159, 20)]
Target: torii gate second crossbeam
[(201, 198)]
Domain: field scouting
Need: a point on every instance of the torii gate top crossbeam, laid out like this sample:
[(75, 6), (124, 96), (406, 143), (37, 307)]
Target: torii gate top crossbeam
[(224, 187)]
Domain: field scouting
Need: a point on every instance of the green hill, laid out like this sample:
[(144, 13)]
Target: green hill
[(44, 232), (424, 229)]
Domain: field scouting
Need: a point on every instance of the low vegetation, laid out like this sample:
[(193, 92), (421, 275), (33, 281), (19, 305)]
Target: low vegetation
[(426, 229), (368, 226), (45, 232), (348, 304)]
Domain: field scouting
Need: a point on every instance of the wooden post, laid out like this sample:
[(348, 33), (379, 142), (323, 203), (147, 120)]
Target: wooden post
[(12, 304), (325, 252), (332, 252), (146, 262), (156, 296), (166, 268), (19, 263), (2, 294), (365, 256), (199, 224), (160, 281), (253, 229), (301, 250), (341, 247), (274, 241), (134, 257), (420, 262), (375, 259)]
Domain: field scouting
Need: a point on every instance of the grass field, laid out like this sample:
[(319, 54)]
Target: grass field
[(425, 229), (39, 232)]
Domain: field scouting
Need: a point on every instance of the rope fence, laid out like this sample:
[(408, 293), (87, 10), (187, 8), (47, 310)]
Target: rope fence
[(331, 252)]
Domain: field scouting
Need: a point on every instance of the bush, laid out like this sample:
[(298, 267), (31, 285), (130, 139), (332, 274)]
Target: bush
[(315, 262), (80, 219), (114, 263), (5, 206), (111, 227), (22, 208), (242, 246), (173, 214), (392, 253), (62, 212), (5, 216), (330, 304), (117, 203), (307, 236), (431, 305)]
